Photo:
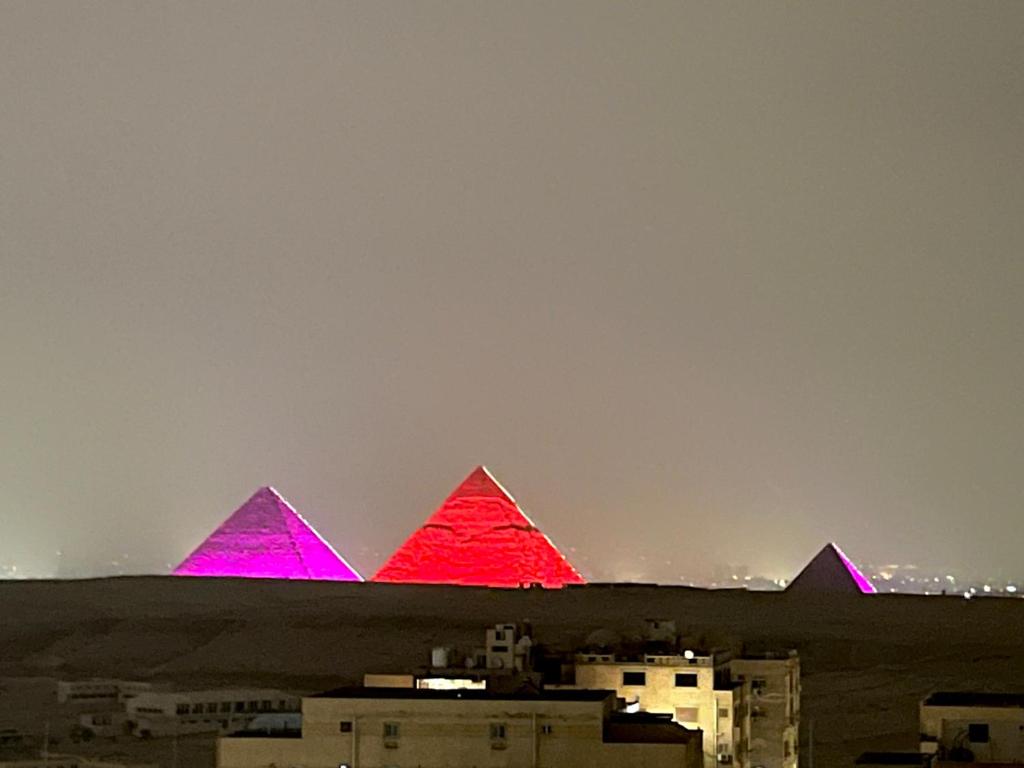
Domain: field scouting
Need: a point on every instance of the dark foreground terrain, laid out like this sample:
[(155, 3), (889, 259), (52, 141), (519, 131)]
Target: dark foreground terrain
[(867, 660)]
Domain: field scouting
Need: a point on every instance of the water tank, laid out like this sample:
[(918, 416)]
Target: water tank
[(439, 657)]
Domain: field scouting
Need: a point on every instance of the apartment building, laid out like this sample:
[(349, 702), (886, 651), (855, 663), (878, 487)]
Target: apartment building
[(774, 683), (423, 728), (976, 728), (695, 689)]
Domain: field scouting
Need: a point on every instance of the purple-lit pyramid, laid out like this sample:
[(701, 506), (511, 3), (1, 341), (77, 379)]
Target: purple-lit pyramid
[(831, 571), (266, 538)]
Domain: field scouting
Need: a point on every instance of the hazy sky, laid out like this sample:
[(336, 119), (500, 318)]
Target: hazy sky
[(701, 282)]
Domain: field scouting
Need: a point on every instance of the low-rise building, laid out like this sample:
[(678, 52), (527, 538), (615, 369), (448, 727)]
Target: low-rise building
[(98, 691), (774, 681), (973, 727), (694, 688), (168, 713), (373, 727)]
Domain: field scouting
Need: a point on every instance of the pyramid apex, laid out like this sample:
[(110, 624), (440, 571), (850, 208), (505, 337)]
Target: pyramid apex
[(266, 537), (479, 536), (832, 571)]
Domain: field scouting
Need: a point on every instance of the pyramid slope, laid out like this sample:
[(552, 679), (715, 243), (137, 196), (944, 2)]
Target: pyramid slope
[(266, 538), (479, 537), (831, 571)]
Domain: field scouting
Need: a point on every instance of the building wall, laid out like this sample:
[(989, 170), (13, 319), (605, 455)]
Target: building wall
[(700, 706), (944, 728), (447, 733), (179, 712), (774, 686)]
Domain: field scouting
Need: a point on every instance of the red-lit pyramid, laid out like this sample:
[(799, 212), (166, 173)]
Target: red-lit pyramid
[(479, 537), (266, 538)]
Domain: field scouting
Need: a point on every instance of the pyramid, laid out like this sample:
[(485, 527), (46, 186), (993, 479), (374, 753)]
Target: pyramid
[(831, 571), (266, 538), (479, 537)]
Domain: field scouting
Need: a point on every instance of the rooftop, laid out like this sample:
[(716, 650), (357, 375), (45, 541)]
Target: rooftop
[(646, 728), (428, 694), (974, 699)]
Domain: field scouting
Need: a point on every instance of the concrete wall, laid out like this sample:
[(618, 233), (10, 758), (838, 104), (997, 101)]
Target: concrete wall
[(949, 726), (774, 710), (659, 694), (450, 733)]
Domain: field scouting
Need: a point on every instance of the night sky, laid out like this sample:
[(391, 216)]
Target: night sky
[(701, 283)]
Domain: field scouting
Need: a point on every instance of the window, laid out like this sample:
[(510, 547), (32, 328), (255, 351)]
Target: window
[(265, 705), (686, 680), (499, 649), (197, 709), (723, 714), (182, 709), (499, 635), (634, 678), (345, 726), (977, 733), (758, 685), (211, 708), (390, 730), (687, 714), (547, 730), (239, 706), (497, 731), (253, 706), (225, 706)]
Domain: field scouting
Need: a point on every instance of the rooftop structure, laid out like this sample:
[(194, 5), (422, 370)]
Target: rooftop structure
[(266, 538), (973, 727), (479, 537), (831, 571)]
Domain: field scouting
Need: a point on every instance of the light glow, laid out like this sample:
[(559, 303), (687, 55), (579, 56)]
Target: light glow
[(479, 537), (862, 581), (266, 538)]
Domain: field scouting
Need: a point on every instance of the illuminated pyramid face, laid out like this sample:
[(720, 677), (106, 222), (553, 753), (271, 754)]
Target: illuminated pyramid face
[(266, 538), (831, 571), (479, 537)]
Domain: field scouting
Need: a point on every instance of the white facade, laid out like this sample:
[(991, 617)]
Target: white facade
[(978, 727), (774, 684), (179, 712), (99, 691)]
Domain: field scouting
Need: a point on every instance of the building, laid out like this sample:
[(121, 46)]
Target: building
[(219, 711), (973, 727), (375, 727), (97, 691), (695, 689), (774, 682)]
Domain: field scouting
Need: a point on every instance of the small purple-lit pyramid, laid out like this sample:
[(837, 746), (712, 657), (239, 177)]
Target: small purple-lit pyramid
[(266, 538), (831, 571)]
